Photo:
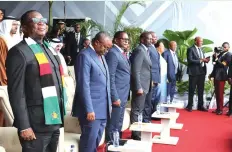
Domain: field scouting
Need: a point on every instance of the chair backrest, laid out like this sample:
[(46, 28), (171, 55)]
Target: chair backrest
[(70, 86), (5, 106), (9, 139)]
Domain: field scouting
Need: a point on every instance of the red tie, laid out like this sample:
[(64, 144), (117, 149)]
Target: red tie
[(125, 54)]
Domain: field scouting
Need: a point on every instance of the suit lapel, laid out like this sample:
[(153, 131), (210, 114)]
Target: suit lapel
[(123, 57), (94, 55), (146, 54), (196, 52), (171, 57), (106, 66)]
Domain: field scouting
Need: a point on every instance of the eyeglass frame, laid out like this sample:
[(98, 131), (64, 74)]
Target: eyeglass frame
[(40, 20), (124, 39)]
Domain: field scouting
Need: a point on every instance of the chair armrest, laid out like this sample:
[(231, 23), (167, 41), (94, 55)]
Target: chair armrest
[(9, 139)]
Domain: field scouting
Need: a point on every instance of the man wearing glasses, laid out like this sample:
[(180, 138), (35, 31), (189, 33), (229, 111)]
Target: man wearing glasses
[(92, 103), (35, 88), (119, 69)]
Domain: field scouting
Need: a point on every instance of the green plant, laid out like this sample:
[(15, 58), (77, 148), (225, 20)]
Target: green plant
[(184, 40), (88, 26), (182, 87), (227, 88), (209, 87), (133, 33), (117, 23)]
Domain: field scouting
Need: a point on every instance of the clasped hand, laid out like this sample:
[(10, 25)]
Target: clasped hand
[(206, 60), (27, 134)]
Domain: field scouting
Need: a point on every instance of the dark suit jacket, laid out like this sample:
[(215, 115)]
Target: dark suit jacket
[(119, 69), (72, 46), (24, 89), (194, 65), (171, 66), (140, 69), (92, 92), (220, 70), (155, 60)]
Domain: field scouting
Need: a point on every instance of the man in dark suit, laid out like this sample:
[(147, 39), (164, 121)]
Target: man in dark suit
[(196, 71), (74, 44), (140, 78), (172, 62), (221, 61), (119, 69), (153, 97), (92, 103), (35, 87)]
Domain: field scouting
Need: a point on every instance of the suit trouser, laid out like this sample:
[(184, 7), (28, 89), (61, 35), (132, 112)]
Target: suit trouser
[(219, 93), (199, 82), (155, 99), (44, 142), (91, 134), (148, 107), (116, 120), (171, 86), (137, 107)]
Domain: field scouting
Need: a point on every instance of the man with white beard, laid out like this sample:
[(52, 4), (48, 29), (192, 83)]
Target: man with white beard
[(9, 31)]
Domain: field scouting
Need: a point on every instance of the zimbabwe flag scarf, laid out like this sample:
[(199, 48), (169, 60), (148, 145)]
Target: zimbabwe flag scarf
[(50, 99)]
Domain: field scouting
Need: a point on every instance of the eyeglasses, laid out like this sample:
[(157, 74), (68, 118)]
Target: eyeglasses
[(38, 20), (124, 39)]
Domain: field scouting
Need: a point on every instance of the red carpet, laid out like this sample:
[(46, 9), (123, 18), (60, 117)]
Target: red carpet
[(202, 132)]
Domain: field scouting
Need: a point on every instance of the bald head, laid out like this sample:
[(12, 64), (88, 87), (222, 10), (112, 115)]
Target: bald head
[(101, 43), (154, 37), (198, 41), (172, 46)]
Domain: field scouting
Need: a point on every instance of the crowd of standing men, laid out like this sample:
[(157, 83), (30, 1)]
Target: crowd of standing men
[(105, 72)]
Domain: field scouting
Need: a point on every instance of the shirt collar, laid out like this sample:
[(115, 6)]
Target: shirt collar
[(119, 48), (196, 47), (171, 51), (144, 46), (90, 45)]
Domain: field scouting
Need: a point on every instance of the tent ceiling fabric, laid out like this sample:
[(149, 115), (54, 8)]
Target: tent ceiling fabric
[(210, 17)]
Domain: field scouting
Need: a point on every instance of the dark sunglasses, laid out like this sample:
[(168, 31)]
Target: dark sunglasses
[(124, 39), (38, 20)]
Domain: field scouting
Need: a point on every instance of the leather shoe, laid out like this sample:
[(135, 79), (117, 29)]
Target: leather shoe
[(188, 109), (219, 112), (135, 137), (215, 111), (202, 109)]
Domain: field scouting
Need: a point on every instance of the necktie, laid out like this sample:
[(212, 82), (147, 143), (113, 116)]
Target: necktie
[(200, 55), (125, 54), (99, 57)]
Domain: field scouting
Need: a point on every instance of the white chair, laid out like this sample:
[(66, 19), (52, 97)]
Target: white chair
[(2, 149), (8, 135)]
